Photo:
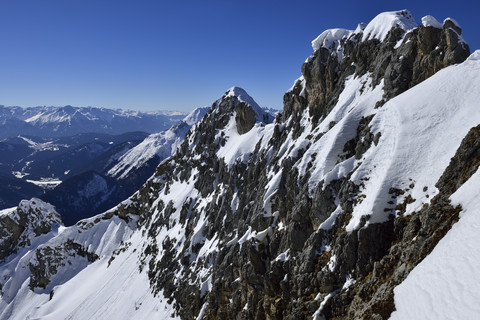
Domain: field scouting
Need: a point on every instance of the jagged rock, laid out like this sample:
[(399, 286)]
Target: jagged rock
[(279, 231), (21, 225), (422, 52), (244, 118), (48, 260)]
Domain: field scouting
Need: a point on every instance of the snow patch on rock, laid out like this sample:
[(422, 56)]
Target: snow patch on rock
[(379, 27)]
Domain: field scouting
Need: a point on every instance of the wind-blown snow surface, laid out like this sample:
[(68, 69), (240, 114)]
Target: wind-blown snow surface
[(107, 289), (445, 284), (379, 27)]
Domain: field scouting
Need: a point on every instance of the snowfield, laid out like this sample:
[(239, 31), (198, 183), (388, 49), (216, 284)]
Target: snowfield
[(445, 284)]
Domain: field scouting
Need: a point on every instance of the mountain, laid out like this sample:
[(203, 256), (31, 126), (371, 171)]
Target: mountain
[(358, 201), (155, 148), (107, 177), (68, 121), (57, 158), (31, 165), (13, 190), (84, 195)]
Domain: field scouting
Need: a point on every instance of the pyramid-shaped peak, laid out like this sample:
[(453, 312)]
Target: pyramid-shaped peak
[(243, 96)]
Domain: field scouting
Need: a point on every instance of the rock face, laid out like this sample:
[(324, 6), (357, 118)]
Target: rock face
[(318, 214), (262, 255), (400, 61), (18, 226), (244, 118)]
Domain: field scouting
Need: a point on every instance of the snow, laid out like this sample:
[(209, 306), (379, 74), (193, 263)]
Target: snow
[(284, 256), (328, 224), (100, 290), (196, 115), (430, 21), (162, 144), (445, 284), (19, 174), (420, 131), (7, 211), (417, 140), (46, 183), (40, 207), (453, 21), (300, 81), (351, 106), (330, 39), (68, 120), (243, 96), (240, 146), (379, 27)]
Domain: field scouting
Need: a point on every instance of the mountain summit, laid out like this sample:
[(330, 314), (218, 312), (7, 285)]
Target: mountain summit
[(339, 208)]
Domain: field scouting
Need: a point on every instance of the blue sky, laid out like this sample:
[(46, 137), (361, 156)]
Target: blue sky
[(150, 55)]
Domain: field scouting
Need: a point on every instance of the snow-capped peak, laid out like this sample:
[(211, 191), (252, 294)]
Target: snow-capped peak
[(242, 96), (261, 115), (36, 205), (161, 145), (379, 27), (196, 115), (329, 38), (453, 21), (430, 21)]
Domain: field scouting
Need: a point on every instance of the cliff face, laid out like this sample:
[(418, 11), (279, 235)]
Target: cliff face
[(292, 228), (319, 213)]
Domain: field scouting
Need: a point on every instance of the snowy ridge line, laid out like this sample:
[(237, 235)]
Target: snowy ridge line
[(231, 220), (162, 144), (68, 120)]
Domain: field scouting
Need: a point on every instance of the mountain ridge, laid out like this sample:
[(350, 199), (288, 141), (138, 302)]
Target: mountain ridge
[(319, 213), (68, 120)]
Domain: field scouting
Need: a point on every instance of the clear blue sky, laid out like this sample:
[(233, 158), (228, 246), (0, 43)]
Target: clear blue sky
[(150, 55)]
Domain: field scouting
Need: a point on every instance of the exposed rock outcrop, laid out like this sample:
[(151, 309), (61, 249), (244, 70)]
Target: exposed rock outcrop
[(400, 60), (19, 226)]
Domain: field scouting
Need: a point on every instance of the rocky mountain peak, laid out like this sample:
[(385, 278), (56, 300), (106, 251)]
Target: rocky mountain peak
[(381, 25), (20, 225), (318, 215), (398, 52), (196, 115)]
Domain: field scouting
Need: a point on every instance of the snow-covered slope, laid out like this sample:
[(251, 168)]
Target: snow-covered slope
[(319, 214), (162, 145), (445, 284), (72, 286), (379, 27)]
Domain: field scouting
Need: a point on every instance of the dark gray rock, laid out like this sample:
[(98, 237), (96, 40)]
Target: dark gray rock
[(244, 118)]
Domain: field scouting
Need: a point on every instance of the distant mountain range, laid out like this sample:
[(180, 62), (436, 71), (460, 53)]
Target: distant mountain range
[(86, 173), (68, 121)]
